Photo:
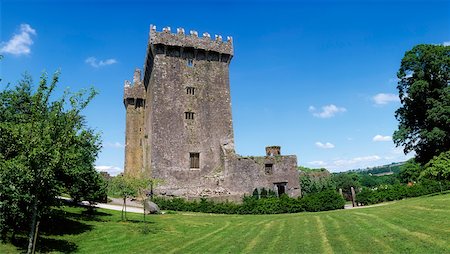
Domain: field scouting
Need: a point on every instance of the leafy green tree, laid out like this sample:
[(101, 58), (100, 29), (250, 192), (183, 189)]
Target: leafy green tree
[(438, 168), (345, 181), (424, 91), (410, 171), (315, 180), (130, 186), (123, 185), (144, 184), (45, 146)]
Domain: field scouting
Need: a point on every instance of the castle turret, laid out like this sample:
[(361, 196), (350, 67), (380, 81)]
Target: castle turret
[(273, 150), (134, 101)]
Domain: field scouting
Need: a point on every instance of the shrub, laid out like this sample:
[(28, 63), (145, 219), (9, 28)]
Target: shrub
[(399, 191), (322, 201)]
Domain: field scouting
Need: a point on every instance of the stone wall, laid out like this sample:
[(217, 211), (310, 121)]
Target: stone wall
[(247, 173), (134, 101)]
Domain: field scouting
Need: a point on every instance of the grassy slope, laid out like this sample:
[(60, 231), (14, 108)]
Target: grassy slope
[(420, 225)]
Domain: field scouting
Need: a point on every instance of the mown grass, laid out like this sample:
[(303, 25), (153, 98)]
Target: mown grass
[(417, 225)]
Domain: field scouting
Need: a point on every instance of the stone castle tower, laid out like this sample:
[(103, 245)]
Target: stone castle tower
[(179, 125), (134, 101)]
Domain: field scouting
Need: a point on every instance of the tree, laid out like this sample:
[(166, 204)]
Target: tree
[(143, 183), (410, 171), (424, 91), (345, 181), (315, 180), (124, 186), (45, 148), (438, 168), (131, 186)]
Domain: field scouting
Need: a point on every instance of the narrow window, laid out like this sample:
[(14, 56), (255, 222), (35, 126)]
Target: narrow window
[(190, 90), (194, 160), (189, 115), (269, 169), (190, 62)]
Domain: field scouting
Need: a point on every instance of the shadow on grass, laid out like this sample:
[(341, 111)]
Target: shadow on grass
[(45, 245), (438, 193), (90, 214), (139, 221), (144, 227), (59, 223)]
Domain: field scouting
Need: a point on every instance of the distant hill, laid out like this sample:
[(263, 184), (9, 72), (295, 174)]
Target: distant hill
[(393, 168)]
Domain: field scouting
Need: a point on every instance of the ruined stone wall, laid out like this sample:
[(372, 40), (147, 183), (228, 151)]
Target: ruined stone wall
[(244, 174)]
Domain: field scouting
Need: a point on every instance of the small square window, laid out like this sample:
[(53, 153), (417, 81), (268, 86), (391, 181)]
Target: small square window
[(190, 62), (268, 169), (189, 115), (190, 90), (194, 160)]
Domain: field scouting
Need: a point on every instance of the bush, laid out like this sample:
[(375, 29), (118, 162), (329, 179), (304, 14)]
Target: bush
[(399, 191), (322, 201)]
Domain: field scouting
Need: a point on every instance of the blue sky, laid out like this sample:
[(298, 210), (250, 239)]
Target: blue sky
[(317, 78)]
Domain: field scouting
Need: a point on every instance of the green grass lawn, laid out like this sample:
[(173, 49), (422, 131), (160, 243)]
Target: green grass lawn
[(417, 225)]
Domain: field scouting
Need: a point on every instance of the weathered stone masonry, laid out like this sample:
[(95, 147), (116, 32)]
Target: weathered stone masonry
[(179, 127)]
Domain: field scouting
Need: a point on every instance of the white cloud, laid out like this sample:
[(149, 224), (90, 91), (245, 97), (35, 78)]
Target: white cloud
[(114, 145), (348, 164), (112, 170), (317, 163), (20, 43), (327, 111), (397, 150), (327, 145), (92, 61), (446, 43), (395, 154), (385, 98), (353, 161), (380, 138)]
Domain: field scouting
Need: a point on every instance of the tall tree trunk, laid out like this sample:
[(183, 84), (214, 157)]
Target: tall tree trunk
[(125, 202), (123, 207), (144, 208), (33, 227), (35, 236)]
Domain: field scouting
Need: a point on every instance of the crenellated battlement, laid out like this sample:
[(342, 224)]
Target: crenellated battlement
[(191, 40), (134, 92)]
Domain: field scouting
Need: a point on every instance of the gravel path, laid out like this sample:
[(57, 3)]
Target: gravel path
[(130, 209)]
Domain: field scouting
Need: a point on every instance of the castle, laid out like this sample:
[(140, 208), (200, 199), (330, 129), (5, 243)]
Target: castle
[(179, 127)]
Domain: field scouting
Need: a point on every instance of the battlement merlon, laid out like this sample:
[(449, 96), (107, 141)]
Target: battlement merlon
[(180, 39)]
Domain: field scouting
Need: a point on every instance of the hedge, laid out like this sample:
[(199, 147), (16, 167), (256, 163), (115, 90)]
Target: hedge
[(322, 201), (398, 191)]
